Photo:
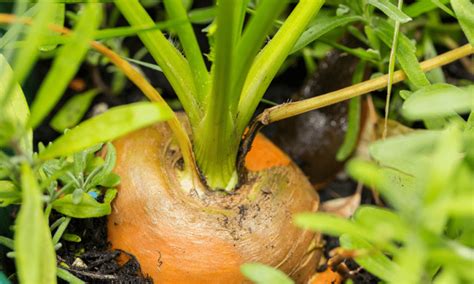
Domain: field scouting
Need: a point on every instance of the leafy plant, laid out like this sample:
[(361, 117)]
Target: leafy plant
[(427, 183), (72, 184), (72, 174)]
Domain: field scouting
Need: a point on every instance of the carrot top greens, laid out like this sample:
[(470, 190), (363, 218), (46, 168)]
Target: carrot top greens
[(221, 101)]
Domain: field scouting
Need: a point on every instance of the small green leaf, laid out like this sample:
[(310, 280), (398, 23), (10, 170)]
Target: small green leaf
[(15, 111), (329, 224), (73, 111), (77, 196), (374, 260), (7, 242), (35, 257), (150, 66), (66, 64), (202, 15), (60, 231), (435, 75), (112, 180), (321, 27), (87, 208), (438, 100), (387, 181), (410, 150), (72, 238), (390, 10), (108, 126), (384, 223), (263, 274), (68, 277), (464, 11), (99, 174), (405, 52), (443, 7), (8, 193), (422, 6)]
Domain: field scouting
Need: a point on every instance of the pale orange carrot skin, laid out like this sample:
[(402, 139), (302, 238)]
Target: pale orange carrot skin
[(181, 238)]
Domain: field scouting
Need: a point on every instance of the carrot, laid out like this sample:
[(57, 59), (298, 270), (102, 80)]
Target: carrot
[(179, 236), (264, 154), (326, 277)]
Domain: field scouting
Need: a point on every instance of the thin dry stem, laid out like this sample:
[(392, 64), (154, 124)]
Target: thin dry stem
[(391, 69), (283, 111)]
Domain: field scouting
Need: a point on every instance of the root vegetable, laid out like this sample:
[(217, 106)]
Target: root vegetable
[(180, 236)]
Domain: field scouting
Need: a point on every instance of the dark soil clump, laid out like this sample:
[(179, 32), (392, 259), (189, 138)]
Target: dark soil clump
[(92, 260)]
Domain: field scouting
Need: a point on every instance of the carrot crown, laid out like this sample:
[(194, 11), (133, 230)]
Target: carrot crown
[(220, 102)]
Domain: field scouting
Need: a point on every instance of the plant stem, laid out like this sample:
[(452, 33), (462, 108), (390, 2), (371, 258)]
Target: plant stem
[(391, 69), (191, 48), (269, 60), (216, 143), (174, 65), (295, 108), (253, 38)]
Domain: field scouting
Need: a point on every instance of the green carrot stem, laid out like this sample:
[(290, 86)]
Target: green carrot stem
[(191, 48), (216, 143), (175, 67), (269, 60)]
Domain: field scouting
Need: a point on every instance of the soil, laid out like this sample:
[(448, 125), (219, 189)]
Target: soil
[(92, 260)]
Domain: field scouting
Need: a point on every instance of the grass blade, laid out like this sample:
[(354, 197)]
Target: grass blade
[(35, 257), (405, 52), (391, 69), (353, 118), (27, 56), (443, 7), (73, 111), (66, 64), (421, 6), (321, 27), (57, 19), (465, 12), (15, 111), (390, 10), (68, 277), (198, 16), (202, 15), (107, 126)]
